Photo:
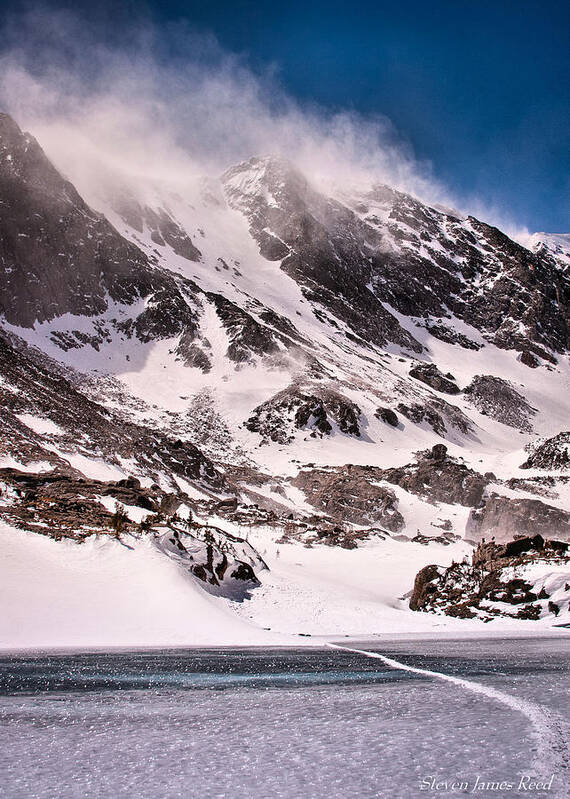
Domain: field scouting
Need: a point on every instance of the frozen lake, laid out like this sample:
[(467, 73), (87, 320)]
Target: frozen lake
[(298, 724)]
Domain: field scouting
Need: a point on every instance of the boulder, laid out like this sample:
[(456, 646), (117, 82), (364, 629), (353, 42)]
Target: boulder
[(498, 582), (315, 409), (529, 359), (429, 374), (387, 415), (351, 494), (424, 587), (439, 479)]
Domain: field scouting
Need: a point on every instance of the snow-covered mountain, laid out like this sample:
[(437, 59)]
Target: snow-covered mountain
[(346, 370)]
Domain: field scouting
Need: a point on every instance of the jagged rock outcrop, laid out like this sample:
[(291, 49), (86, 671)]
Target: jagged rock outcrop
[(554, 453), (32, 386), (225, 564), (429, 374), (439, 478), (314, 409), (164, 229), (507, 580), (488, 554), (57, 255), (424, 587), (441, 264), (498, 399), (246, 335), (350, 493), (68, 506), (452, 336), (443, 418), (387, 415), (502, 518), (529, 359)]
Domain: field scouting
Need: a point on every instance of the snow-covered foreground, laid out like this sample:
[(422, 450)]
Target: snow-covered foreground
[(104, 593)]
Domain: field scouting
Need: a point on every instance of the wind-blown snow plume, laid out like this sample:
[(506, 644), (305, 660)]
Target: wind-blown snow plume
[(169, 102)]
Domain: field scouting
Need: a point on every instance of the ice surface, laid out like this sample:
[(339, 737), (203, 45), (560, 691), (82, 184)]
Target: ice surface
[(288, 724)]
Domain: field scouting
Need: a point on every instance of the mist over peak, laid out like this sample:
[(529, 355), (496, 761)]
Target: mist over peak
[(168, 104)]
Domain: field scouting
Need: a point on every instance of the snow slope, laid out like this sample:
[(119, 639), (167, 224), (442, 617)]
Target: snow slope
[(106, 594), (103, 593)]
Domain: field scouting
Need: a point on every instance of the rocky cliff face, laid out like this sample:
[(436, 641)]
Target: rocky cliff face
[(57, 256), (501, 518), (465, 267), (318, 241)]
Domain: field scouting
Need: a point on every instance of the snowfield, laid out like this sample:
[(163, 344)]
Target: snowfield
[(108, 594)]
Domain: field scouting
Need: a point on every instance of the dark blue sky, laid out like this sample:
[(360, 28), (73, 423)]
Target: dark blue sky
[(481, 88)]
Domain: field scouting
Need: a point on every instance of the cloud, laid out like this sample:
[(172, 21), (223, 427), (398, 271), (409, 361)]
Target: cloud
[(168, 103)]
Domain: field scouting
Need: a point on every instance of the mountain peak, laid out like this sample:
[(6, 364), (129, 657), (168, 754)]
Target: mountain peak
[(10, 131), (272, 177)]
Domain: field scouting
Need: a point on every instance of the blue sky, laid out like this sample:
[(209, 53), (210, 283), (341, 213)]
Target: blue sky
[(480, 89)]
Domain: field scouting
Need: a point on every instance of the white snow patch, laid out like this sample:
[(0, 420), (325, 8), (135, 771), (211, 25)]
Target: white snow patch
[(40, 425)]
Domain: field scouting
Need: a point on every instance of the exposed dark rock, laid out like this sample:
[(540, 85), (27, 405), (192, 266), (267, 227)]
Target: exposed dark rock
[(516, 298), (320, 242), (486, 587), (427, 540), (193, 355), (543, 486), (439, 479), (554, 453), (280, 323), (245, 573), (527, 300), (452, 336), (61, 505), (38, 387), (498, 399), (440, 415), (388, 416), (230, 503), (503, 518), (169, 504), (295, 408), (163, 228), (424, 587), (224, 563), (429, 374), (529, 359), (349, 493), (486, 554), (247, 336), (437, 453), (59, 256)]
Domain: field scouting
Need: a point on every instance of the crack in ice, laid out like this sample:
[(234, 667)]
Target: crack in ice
[(550, 732)]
